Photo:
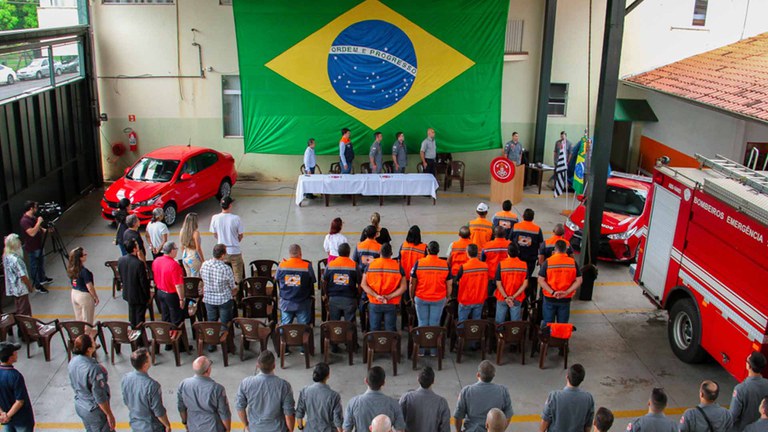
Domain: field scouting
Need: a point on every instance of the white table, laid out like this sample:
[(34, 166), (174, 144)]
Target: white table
[(380, 185)]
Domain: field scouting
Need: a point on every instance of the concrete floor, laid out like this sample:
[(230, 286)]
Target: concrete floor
[(621, 339)]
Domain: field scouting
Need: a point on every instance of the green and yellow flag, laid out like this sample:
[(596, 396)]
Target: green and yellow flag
[(311, 68), (579, 171)]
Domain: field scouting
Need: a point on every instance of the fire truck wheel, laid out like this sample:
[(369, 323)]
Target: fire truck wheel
[(684, 332)]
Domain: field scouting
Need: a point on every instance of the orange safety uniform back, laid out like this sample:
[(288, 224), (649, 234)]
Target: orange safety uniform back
[(528, 237), (458, 254), (548, 247), (383, 276), (560, 270), (505, 219), (473, 282), (433, 275), (480, 231), (493, 252), (366, 251), (409, 254), (512, 273)]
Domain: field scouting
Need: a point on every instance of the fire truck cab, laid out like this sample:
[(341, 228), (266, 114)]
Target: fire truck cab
[(703, 257)]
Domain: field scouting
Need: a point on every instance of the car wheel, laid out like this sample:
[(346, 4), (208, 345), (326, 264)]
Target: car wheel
[(10, 79), (58, 72), (170, 214), (39, 75), (225, 189), (684, 332)]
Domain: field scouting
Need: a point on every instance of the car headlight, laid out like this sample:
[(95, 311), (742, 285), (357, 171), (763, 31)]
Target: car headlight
[(623, 236), (571, 225), (148, 202)]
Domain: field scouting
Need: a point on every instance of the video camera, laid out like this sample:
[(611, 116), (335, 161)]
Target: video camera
[(50, 212)]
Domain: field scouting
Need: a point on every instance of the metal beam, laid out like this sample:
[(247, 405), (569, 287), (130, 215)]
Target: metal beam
[(38, 35), (601, 149), (632, 7), (545, 76)]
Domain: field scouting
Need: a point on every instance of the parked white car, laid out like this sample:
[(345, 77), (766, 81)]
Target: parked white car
[(7, 75), (38, 69)]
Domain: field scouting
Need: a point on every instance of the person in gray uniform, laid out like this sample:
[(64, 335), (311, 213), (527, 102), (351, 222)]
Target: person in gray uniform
[(202, 402), (264, 401), (655, 420), (400, 153), (143, 396), (362, 409), (424, 410), (374, 156), (603, 420), (745, 404), (477, 399), (428, 152), (319, 407), (569, 409), (708, 416), (90, 382), (761, 425), (513, 150)]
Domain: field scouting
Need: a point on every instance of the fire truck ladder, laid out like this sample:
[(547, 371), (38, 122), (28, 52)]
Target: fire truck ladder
[(736, 171)]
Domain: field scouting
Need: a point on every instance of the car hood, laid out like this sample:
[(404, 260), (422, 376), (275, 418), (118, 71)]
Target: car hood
[(612, 222), (135, 191)]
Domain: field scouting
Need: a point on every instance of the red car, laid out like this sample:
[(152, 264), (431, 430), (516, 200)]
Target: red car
[(624, 215), (173, 178)]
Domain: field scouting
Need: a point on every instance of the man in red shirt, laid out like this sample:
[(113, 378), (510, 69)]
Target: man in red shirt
[(169, 279)]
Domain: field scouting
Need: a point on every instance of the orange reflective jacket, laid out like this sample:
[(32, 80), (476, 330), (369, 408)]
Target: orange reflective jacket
[(458, 254), (409, 254), (480, 231), (432, 274), (473, 282), (383, 276), (561, 271), (512, 274), (493, 252)]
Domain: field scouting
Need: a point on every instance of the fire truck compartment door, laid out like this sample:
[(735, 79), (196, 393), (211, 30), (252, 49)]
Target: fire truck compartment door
[(661, 232)]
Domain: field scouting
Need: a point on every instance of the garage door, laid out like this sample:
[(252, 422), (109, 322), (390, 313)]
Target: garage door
[(661, 232)]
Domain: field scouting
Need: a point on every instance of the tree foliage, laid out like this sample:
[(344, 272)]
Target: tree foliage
[(18, 16)]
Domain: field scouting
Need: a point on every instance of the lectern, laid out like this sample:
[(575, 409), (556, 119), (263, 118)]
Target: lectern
[(506, 181)]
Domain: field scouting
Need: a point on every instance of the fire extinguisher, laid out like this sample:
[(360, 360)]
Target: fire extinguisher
[(133, 141)]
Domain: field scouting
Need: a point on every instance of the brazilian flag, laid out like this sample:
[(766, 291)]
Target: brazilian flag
[(581, 166), (309, 68)]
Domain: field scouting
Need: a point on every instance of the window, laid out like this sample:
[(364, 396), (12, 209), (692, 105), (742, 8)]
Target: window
[(514, 40), (558, 99), (699, 13), (232, 106), (137, 1), (206, 160)]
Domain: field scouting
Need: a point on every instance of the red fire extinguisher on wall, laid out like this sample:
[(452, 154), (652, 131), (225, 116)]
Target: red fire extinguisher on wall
[(133, 141)]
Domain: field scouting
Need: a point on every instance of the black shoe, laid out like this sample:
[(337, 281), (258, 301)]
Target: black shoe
[(301, 351), (41, 289), (335, 349), (211, 349), (169, 347), (47, 281), (287, 352)]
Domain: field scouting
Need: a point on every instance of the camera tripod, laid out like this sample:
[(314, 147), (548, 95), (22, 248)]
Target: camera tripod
[(57, 244)]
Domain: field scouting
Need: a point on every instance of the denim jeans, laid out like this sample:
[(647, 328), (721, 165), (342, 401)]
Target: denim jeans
[(339, 306), (387, 311), (123, 252), (429, 312), (552, 310), (37, 267), (17, 428), (474, 311), (348, 169), (222, 312), (515, 312), (303, 316)]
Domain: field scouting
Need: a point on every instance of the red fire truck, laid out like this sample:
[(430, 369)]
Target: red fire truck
[(703, 257)]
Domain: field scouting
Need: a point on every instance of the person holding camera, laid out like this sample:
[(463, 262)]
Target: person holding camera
[(32, 237)]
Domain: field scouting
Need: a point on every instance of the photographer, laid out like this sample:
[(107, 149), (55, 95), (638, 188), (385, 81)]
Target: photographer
[(32, 236)]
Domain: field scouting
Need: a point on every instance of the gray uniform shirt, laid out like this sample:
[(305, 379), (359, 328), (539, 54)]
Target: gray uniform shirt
[(514, 152), (362, 409), (89, 380), (425, 411), (569, 410), (693, 421), (745, 405), (400, 152), (652, 422), (266, 399), (321, 407), (477, 399), (758, 426), (375, 153), (429, 147), (144, 399), (205, 402)]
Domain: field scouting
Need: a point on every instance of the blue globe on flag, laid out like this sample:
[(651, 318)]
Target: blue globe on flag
[(372, 65)]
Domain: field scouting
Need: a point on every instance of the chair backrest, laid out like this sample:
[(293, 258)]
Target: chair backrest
[(382, 341), (472, 329), (262, 268), (7, 320), (322, 265), (389, 167), (443, 158), (337, 331), (73, 329), (512, 331), (294, 334), (302, 168), (121, 331), (253, 328), (161, 331), (428, 336), (335, 168), (365, 168), (29, 326), (258, 307), (192, 287), (457, 169), (209, 331), (258, 286), (113, 266)]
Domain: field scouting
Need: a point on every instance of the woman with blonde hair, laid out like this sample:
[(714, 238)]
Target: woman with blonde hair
[(84, 296), (382, 234), (17, 282), (191, 246)]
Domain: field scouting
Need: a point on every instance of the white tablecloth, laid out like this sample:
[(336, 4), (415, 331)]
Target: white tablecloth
[(366, 184)]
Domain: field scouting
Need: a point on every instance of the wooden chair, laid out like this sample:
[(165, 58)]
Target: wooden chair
[(122, 333), (73, 329), (296, 335), (450, 316), (388, 167), (165, 333), (322, 265), (263, 307), (263, 268), (382, 342), (547, 341), (336, 332), (335, 168), (253, 330), (468, 331), (317, 169), (365, 168), (117, 284), (258, 286), (428, 337), (194, 301), (7, 321), (213, 333), (511, 333), (34, 330), (455, 172)]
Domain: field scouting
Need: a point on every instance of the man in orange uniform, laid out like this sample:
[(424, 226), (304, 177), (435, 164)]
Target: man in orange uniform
[(511, 281), (384, 282), (431, 286), (548, 247), (527, 235), (296, 280), (473, 286), (367, 250), (411, 251), (559, 278), (505, 218), (480, 228), (457, 251), (493, 253)]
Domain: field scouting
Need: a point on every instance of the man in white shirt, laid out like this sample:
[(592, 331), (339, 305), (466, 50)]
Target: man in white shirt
[(228, 230), (310, 161)]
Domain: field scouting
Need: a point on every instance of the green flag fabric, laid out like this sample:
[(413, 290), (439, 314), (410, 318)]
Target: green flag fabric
[(581, 166), (311, 68)]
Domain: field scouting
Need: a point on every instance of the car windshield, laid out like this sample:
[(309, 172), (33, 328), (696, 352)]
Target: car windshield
[(36, 63), (625, 201), (153, 170)]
